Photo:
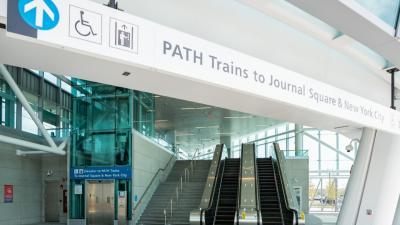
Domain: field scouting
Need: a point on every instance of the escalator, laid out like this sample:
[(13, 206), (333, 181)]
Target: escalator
[(270, 201), (274, 197), (227, 196)]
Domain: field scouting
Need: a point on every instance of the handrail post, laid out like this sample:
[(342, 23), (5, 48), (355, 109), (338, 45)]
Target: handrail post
[(170, 219), (165, 217), (177, 195), (181, 184)]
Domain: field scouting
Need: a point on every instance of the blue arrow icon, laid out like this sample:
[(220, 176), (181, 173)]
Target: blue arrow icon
[(39, 14)]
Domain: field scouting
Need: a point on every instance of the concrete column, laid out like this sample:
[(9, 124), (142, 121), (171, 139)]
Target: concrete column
[(227, 141), (355, 186), (298, 139)]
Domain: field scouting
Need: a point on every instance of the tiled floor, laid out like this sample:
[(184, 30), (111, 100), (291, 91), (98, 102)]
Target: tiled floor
[(313, 219), (321, 219)]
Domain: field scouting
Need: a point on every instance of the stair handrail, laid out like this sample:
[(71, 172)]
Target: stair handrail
[(153, 179), (214, 187), (219, 192), (179, 186), (287, 193), (192, 161)]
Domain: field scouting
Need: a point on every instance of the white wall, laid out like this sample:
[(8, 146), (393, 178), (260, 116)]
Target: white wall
[(25, 174), (148, 157), (28, 175), (382, 187)]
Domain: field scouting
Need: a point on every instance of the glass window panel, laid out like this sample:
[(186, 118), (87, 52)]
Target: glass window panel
[(66, 87), (252, 137), (386, 10), (261, 151), (27, 123), (50, 77), (345, 164), (329, 138), (103, 150), (270, 132), (312, 147)]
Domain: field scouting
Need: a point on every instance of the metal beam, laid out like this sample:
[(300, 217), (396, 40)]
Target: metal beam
[(10, 81), (31, 145)]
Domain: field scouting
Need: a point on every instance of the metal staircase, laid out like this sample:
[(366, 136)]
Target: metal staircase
[(189, 198)]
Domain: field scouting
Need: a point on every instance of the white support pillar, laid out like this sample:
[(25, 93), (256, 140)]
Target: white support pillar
[(355, 186), (8, 78), (396, 220), (31, 145), (382, 186), (298, 138)]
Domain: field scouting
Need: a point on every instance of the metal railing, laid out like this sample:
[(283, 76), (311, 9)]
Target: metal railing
[(174, 198), (290, 203), (148, 192)]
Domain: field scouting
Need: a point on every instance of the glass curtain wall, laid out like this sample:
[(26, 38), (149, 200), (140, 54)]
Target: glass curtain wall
[(101, 134), (48, 95), (329, 162), (103, 117)]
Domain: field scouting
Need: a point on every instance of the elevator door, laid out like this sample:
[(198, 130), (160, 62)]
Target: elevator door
[(100, 202)]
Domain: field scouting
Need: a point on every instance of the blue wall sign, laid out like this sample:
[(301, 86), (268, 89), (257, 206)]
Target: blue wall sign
[(39, 14), (101, 173)]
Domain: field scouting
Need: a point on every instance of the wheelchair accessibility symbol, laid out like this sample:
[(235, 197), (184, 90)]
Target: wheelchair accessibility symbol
[(85, 25)]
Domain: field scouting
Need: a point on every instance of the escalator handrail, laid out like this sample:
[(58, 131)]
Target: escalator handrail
[(287, 204), (239, 192), (214, 186), (257, 187), (277, 191), (219, 192)]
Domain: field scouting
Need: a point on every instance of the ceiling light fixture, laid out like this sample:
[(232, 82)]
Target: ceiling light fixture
[(196, 108), (160, 121), (224, 133), (207, 127), (184, 134), (206, 139), (238, 117)]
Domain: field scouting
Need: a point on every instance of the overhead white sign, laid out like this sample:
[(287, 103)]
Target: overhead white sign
[(99, 31)]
